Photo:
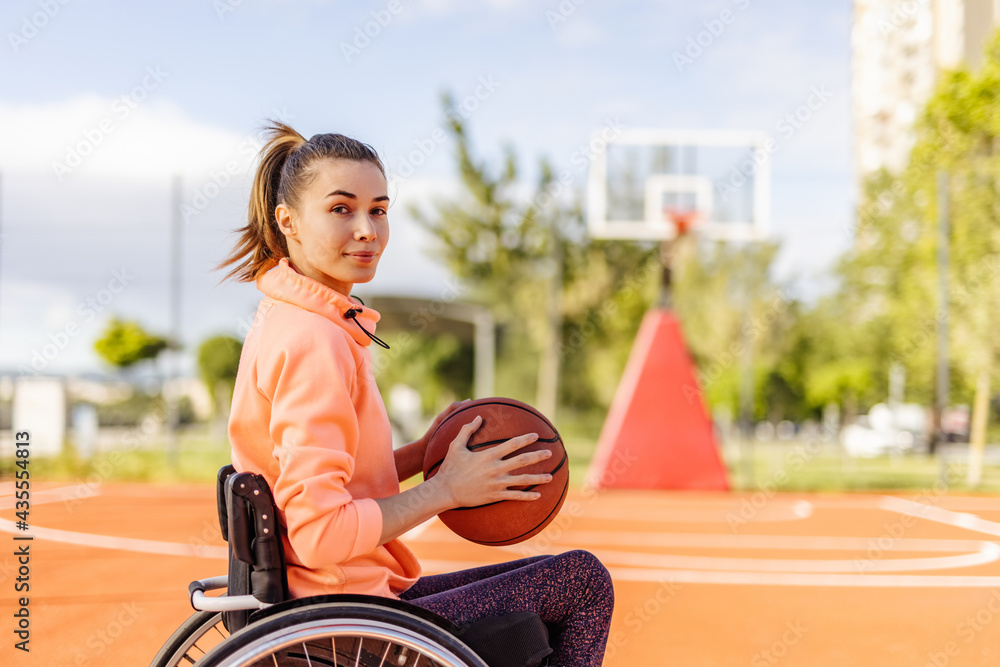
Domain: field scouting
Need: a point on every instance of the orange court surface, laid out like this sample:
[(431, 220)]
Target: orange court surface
[(700, 578)]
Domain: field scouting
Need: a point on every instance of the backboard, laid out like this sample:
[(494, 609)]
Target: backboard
[(637, 176)]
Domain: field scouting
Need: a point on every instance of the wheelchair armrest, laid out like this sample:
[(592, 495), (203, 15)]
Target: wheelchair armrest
[(202, 602), (220, 498), (256, 514)]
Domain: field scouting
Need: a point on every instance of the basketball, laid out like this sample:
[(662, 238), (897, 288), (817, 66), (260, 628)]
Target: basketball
[(507, 521)]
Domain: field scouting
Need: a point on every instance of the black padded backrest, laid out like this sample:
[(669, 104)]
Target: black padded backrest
[(249, 522)]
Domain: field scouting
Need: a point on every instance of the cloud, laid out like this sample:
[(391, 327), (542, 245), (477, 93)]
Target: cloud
[(92, 135), (451, 7), (580, 32), (63, 241)]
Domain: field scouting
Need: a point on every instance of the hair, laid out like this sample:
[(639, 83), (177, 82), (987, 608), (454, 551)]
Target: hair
[(287, 165)]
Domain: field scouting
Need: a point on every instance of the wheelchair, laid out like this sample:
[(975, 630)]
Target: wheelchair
[(256, 622)]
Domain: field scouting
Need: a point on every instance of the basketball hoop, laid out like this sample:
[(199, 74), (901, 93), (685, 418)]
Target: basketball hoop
[(683, 219)]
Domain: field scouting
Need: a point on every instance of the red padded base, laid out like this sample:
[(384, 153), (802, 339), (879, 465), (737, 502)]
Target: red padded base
[(658, 434)]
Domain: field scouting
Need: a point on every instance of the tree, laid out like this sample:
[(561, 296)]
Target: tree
[(439, 367), (125, 343), (890, 279), (218, 361), (734, 313), (556, 293)]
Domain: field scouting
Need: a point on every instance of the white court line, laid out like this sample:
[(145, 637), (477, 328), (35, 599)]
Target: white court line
[(796, 511), (940, 515), (121, 543), (100, 541), (799, 579), (730, 571), (760, 578), (986, 553), (774, 542), (956, 503), (62, 493), (969, 503), (816, 578)]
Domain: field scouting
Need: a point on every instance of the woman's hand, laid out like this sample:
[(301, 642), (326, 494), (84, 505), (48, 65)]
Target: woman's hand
[(465, 478), (476, 478), (409, 458), (421, 442)]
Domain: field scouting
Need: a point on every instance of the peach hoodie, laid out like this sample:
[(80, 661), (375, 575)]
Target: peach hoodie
[(307, 416)]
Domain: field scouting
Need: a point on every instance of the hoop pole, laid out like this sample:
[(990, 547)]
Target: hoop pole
[(665, 300)]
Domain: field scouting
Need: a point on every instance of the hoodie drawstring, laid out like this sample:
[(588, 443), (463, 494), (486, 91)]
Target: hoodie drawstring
[(352, 314)]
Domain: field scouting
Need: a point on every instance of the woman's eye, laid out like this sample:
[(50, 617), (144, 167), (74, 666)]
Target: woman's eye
[(379, 211), (340, 208)]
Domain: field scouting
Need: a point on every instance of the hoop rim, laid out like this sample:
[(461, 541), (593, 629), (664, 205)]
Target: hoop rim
[(683, 219)]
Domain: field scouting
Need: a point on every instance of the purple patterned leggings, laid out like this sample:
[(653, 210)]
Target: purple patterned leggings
[(571, 592)]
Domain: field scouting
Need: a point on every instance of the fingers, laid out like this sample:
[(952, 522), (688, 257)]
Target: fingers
[(527, 459), (448, 410), (536, 479), (514, 444), (454, 406), (513, 494), (462, 439), (509, 490)]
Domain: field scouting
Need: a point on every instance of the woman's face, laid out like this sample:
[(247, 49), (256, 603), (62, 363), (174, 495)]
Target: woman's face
[(339, 230)]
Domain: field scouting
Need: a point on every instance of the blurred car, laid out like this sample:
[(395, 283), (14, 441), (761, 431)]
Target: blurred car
[(887, 430)]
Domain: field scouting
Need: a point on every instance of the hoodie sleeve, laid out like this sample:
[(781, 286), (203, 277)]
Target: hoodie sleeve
[(307, 374)]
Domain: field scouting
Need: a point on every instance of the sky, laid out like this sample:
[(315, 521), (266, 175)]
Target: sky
[(102, 103)]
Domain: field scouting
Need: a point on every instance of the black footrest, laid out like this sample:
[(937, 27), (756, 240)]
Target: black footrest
[(518, 639)]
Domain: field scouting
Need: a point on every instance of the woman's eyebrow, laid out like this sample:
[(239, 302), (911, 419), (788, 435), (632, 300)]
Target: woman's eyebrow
[(345, 193)]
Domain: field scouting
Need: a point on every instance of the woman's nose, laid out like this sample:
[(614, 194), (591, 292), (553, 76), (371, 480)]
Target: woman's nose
[(364, 229)]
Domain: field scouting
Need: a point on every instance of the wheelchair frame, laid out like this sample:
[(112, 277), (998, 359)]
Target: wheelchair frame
[(333, 630)]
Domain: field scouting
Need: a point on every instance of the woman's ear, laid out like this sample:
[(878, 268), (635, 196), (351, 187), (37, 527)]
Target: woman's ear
[(283, 216)]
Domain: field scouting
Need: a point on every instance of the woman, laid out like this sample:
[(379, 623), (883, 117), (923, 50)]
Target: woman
[(307, 414)]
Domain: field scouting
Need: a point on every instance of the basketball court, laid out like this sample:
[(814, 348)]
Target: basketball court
[(795, 580), (702, 577)]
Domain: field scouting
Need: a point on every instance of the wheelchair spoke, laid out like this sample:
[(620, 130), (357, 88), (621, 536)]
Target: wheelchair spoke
[(341, 635), (193, 640)]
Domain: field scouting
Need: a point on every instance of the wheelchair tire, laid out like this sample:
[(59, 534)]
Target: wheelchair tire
[(192, 640), (340, 634)]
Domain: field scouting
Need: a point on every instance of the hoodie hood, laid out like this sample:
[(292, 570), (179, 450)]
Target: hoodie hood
[(283, 283)]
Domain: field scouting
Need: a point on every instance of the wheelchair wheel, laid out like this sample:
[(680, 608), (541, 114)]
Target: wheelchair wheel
[(197, 636), (342, 635)]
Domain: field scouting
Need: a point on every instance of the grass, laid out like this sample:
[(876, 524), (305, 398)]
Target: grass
[(792, 466), (785, 466), (199, 458)]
